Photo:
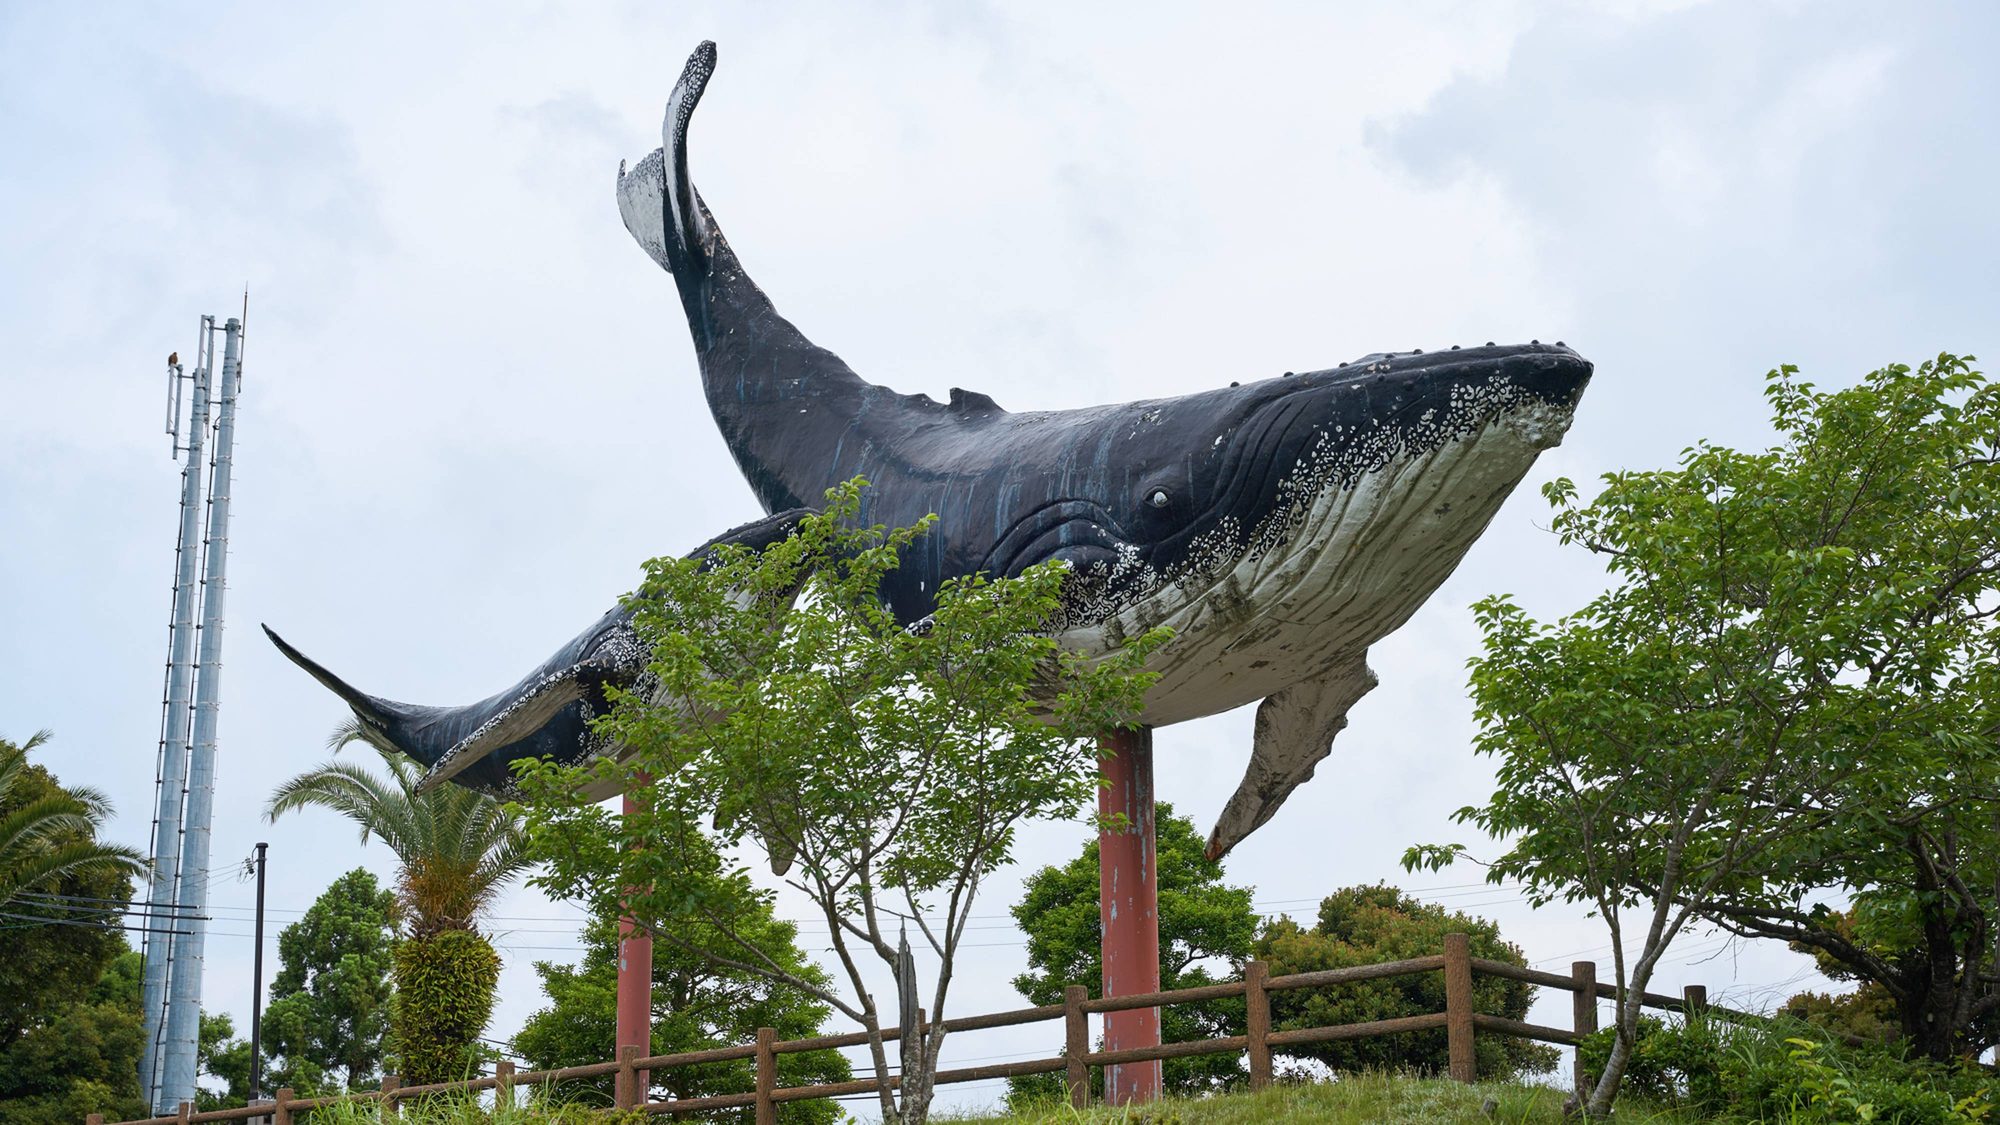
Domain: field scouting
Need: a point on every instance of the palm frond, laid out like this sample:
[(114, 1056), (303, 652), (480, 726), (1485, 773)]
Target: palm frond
[(457, 846)]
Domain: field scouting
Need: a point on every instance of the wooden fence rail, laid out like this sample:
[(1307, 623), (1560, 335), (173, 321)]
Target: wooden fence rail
[(1460, 1021)]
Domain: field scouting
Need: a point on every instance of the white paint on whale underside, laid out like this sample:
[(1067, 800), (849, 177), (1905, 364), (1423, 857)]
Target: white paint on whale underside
[(1359, 563)]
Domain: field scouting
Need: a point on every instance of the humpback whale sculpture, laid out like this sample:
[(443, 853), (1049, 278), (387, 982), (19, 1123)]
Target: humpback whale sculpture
[(1280, 527)]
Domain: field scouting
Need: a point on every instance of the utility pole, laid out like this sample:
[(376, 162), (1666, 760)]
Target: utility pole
[(257, 988)]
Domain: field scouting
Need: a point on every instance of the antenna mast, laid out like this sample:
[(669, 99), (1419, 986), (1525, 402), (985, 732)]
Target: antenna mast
[(178, 891)]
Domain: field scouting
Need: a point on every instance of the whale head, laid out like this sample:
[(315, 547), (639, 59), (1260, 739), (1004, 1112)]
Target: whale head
[(1298, 518)]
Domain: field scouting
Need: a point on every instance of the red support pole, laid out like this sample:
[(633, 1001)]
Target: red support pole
[(1128, 899), (635, 989)]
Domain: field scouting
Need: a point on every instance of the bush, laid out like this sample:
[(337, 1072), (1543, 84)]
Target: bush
[(1786, 1070), (1367, 925)]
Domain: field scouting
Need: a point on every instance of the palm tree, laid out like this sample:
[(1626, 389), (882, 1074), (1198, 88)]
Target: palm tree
[(52, 834), (458, 850)]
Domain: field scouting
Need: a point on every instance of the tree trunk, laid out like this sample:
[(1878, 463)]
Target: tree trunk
[(1627, 1023), (1926, 1013)]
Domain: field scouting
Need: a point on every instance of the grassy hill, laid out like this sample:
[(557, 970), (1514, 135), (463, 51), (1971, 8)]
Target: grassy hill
[(1367, 1099)]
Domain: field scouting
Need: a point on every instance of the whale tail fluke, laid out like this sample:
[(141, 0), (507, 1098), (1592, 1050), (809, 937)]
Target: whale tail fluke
[(656, 197)]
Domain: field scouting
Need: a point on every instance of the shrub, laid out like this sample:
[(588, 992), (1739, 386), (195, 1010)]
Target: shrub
[(1366, 925), (1786, 1070)]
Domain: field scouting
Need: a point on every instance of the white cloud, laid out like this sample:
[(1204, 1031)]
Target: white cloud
[(471, 407)]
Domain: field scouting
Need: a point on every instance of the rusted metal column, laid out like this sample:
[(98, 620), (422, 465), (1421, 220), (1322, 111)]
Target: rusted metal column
[(1128, 897), (635, 988)]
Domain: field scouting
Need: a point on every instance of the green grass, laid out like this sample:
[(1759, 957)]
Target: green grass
[(1373, 1099), (1362, 1099)]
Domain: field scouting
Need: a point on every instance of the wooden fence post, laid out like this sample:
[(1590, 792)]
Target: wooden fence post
[(1458, 1006), (1583, 1011), (281, 1107), (186, 1111), (767, 1075), (1076, 1044), (624, 1088), (391, 1104), (93, 1119), (1257, 1024), (1694, 998), (503, 1084)]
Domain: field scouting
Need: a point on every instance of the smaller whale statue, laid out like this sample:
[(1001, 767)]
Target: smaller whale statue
[(1279, 527)]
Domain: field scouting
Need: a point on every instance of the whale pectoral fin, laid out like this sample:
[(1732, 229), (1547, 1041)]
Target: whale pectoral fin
[(448, 739), (547, 714), (518, 719), (757, 534), (378, 716), (1295, 730)]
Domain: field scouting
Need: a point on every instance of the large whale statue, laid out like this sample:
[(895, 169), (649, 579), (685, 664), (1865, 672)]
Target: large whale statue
[(1279, 527)]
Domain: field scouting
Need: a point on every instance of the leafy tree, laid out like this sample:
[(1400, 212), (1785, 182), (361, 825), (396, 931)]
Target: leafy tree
[(458, 849), (48, 831), (81, 1055), (1870, 1011), (1204, 924), (1789, 691), (329, 1010), (697, 1004), (887, 768), (1368, 925), (61, 889), (219, 1054)]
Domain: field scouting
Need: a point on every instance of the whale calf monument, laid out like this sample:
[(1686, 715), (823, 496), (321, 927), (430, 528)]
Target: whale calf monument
[(1279, 527)]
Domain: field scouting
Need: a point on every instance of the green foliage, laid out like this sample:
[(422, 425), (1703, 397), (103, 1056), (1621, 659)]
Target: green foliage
[(697, 1004), (1368, 925), (444, 996), (890, 766), (1783, 1070), (458, 848), (1789, 687), (81, 1055), (533, 1105), (1869, 1012), (59, 887), (329, 1010), (219, 1054), (1204, 924)]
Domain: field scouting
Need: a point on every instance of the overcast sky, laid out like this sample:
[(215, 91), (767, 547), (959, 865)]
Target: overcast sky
[(470, 408)]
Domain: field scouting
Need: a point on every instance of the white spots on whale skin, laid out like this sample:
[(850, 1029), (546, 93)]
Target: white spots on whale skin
[(1339, 459), (619, 652)]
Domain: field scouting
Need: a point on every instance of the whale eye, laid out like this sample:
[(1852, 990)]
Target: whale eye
[(1157, 498)]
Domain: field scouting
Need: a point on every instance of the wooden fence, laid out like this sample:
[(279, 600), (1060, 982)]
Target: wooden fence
[(1460, 1021)]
